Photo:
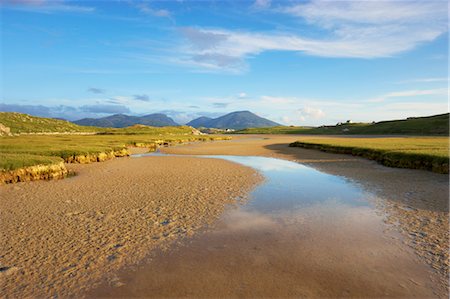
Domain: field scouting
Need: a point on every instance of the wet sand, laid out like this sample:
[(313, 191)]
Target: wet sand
[(416, 202), (111, 213), (60, 238)]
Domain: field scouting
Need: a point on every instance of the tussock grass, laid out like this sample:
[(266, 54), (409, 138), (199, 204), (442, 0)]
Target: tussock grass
[(430, 153)]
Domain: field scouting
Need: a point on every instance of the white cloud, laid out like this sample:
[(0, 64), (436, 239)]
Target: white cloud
[(47, 6), (262, 4), (356, 29), (334, 13), (410, 93), (310, 112), (146, 9), (242, 95)]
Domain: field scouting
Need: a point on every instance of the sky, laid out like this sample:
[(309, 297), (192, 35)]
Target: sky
[(295, 62)]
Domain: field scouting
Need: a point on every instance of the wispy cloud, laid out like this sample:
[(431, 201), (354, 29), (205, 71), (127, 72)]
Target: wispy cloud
[(409, 94), (96, 90), (242, 95), (355, 29), (424, 80), (262, 4), (220, 105), (142, 97), (47, 6), (145, 8), (106, 109)]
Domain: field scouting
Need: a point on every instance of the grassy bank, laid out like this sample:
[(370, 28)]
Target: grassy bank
[(429, 153), (436, 125), (35, 156), (28, 150)]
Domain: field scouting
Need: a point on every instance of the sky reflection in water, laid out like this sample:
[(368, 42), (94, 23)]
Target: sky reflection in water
[(290, 185)]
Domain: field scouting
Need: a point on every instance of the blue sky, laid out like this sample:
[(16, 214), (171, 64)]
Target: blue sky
[(295, 62)]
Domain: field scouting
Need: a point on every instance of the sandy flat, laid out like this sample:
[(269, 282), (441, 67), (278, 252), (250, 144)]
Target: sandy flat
[(416, 202), (62, 237), (58, 238)]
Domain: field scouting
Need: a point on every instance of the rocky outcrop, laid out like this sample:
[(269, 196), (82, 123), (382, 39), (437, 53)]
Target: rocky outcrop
[(4, 130)]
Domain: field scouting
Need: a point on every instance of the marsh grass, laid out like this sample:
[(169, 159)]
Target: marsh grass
[(436, 125), (28, 150), (430, 153)]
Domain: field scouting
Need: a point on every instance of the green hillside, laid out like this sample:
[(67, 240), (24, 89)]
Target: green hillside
[(430, 125), (24, 123)]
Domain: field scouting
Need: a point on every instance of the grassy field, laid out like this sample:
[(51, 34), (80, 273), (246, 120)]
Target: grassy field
[(44, 141), (436, 125), (430, 153), (28, 150), (24, 123)]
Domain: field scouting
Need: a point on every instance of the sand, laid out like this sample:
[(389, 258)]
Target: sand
[(59, 238), (415, 202)]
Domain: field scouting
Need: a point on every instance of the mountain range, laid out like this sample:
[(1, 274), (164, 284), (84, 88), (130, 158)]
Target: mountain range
[(122, 120), (234, 120)]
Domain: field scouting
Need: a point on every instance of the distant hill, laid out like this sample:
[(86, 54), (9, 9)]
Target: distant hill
[(23, 123), (429, 125), (200, 122), (122, 120), (235, 120)]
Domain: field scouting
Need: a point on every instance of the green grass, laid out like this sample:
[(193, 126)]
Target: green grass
[(430, 153), (276, 130), (36, 141), (11, 161), (24, 123), (436, 125), (21, 150)]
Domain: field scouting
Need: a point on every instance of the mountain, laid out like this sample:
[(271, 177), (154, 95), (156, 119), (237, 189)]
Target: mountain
[(234, 120), (202, 121), (122, 120)]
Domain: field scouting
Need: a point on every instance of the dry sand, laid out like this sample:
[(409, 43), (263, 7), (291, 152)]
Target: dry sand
[(59, 238)]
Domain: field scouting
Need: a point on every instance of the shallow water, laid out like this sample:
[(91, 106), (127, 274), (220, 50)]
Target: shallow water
[(301, 233)]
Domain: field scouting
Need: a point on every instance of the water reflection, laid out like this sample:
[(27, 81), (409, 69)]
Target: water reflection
[(302, 233), (290, 185)]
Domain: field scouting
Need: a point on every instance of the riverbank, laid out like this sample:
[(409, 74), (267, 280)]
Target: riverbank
[(38, 157), (61, 237), (428, 153)]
